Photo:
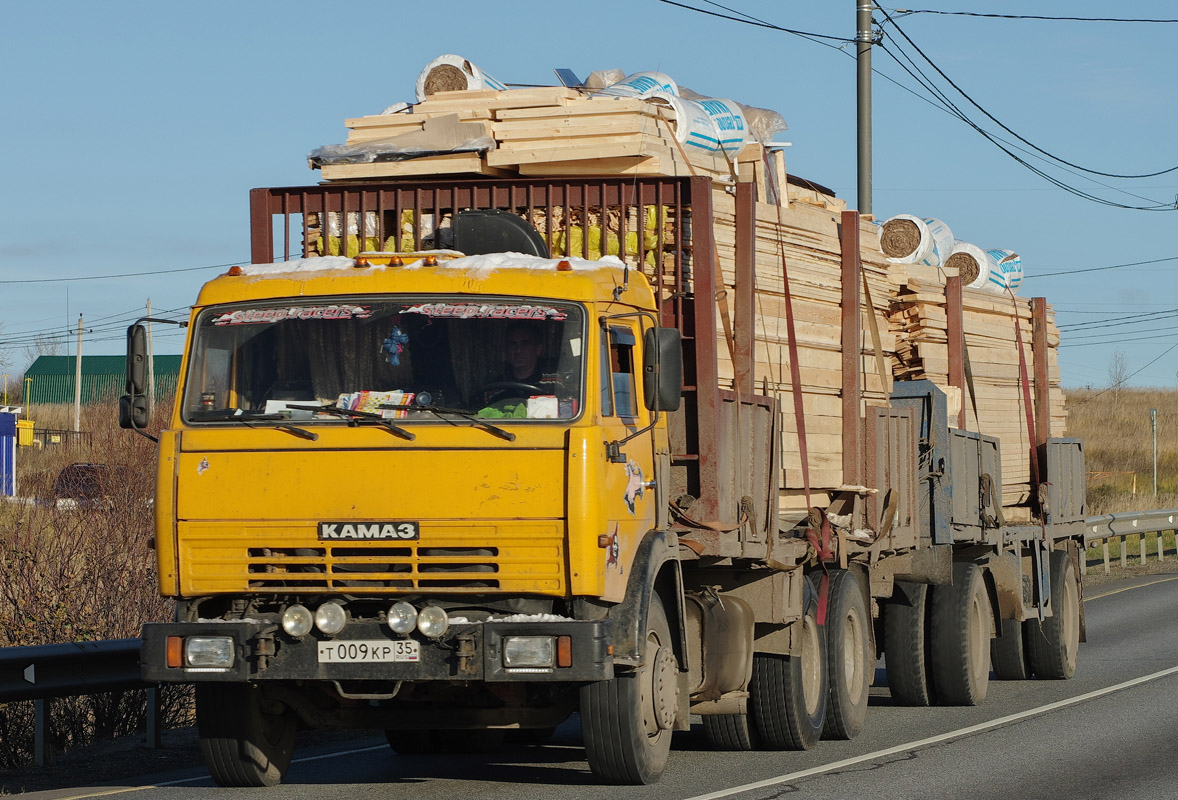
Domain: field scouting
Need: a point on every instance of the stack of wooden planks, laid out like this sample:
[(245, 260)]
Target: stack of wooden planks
[(556, 131), (549, 131), (919, 318)]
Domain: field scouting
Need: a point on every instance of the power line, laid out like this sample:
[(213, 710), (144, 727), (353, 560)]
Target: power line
[(998, 122), (1127, 377), (745, 19), (1115, 322), (123, 275), (1099, 269), (1023, 16)]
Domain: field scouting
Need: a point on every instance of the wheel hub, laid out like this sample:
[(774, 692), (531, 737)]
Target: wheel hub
[(665, 680)]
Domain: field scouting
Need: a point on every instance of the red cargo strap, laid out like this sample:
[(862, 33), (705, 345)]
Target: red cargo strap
[(1031, 434), (821, 543)]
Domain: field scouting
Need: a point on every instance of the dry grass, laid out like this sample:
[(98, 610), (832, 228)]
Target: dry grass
[(1118, 447), (79, 575)]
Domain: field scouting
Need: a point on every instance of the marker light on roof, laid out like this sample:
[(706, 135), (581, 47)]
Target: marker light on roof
[(396, 261), (361, 263), (564, 266), (235, 271), (431, 261)]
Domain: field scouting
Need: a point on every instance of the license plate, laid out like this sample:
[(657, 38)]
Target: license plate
[(363, 652)]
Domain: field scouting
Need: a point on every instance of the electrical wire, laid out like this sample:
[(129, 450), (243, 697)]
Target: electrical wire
[(1125, 380), (1099, 269), (749, 20), (1117, 321), (907, 11), (998, 122), (121, 275)]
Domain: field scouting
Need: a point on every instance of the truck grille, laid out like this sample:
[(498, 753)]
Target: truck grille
[(374, 567), (512, 556)]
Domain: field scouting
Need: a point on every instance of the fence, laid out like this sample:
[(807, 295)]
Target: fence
[(43, 672), (1121, 526)]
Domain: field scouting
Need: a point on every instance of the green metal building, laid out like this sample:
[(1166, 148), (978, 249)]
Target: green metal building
[(103, 379)]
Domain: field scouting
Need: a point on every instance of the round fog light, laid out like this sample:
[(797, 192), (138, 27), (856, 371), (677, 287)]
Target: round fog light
[(433, 621), (297, 620), (402, 617), (330, 618)]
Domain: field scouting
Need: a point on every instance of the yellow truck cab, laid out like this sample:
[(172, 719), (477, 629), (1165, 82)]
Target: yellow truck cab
[(403, 483)]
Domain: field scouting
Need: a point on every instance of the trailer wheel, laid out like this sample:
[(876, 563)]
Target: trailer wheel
[(1054, 643), (626, 722), (731, 732), (243, 743), (961, 638), (788, 694), (849, 656), (1008, 655), (905, 654)]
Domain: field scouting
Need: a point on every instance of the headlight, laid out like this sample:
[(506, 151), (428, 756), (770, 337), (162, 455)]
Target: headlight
[(432, 621), (208, 651), (330, 618), (402, 617), (528, 651), (297, 620)]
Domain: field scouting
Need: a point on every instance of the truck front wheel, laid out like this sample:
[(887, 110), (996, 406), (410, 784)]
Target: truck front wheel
[(244, 742), (626, 722)]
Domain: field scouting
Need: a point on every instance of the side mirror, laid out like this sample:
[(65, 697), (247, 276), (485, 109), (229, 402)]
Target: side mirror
[(662, 369), (136, 360), (133, 411)]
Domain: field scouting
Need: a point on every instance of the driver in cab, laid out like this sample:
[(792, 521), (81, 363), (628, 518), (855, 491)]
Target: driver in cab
[(522, 376)]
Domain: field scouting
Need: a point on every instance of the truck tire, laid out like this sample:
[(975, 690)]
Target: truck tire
[(243, 744), (961, 638), (1052, 645), (905, 653), (788, 694), (731, 732), (1008, 655), (626, 722), (849, 656)]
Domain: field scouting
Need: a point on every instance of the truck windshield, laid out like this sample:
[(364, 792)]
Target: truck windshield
[(410, 358)]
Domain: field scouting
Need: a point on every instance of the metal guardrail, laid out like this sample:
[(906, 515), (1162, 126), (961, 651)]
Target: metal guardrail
[(43, 672), (1122, 525)]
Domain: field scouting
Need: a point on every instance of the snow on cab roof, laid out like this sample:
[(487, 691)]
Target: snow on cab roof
[(475, 266)]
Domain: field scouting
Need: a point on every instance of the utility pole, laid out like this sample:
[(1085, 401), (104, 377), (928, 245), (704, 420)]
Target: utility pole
[(1153, 424), (863, 41), (78, 381), (150, 366)]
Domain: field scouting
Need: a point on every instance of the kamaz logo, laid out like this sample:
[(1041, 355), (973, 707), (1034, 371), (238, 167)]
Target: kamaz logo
[(369, 530)]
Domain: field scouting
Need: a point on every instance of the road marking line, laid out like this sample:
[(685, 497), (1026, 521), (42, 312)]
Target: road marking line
[(304, 759), (1127, 588), (944, 737)]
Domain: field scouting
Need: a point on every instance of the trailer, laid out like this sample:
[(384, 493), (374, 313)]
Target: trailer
[(369, 518)]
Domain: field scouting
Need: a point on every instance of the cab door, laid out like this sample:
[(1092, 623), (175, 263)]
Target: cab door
[(630, 499)]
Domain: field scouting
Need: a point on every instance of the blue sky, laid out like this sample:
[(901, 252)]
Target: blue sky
[(133, 132)]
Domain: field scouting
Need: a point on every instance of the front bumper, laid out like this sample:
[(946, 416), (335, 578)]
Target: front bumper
[(467, 652)]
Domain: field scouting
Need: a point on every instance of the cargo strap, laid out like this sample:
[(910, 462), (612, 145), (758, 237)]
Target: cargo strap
[(820, 542), (1025, 382)]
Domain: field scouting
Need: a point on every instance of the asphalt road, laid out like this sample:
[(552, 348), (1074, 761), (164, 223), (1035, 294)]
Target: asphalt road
[(1111, 731)]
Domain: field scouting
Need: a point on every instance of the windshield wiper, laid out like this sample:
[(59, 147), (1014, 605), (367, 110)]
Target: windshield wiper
[(495, 430), (356, 416), (247, 418)]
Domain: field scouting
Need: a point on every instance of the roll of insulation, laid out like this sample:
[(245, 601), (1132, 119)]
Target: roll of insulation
[(451, 73), (641, 84), (906, 239), (992, 271)]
